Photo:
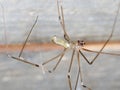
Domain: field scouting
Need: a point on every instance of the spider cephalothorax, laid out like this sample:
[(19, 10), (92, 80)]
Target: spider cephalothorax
[(81, 43)]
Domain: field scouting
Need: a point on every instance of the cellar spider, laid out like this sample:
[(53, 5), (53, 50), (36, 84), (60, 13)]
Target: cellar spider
[(77, 48), (67, 43)]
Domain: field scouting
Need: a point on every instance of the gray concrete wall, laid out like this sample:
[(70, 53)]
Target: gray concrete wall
[(85, 19)]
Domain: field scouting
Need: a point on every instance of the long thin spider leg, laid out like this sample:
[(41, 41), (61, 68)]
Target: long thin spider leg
[(69, 81), (58, 61), (113, 28), (65, 33), (20, 58), (80, 74), (68, 76), (89, 62), (71, 61), (79, 71), (59, 16), (53, 58), (23, 60), (61, 20), (77, 79), (6, 43), (27, 62), (28, 37), (117, 54), (85, 57)]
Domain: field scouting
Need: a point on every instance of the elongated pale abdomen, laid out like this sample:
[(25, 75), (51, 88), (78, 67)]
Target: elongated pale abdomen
[(60, 42)]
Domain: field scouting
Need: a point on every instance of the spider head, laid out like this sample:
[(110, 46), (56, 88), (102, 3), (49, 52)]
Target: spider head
[(81, 43)]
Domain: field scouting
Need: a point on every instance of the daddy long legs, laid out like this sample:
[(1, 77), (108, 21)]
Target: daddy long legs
[(77, 48), (67, 43)]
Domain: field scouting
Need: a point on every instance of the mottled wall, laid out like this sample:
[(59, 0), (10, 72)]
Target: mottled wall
[(85, 19)]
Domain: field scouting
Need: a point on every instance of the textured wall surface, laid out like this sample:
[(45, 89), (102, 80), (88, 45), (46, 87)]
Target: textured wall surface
[(85, 19), (104, 74)]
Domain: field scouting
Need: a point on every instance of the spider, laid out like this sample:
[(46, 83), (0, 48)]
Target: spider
[(76, 46)]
